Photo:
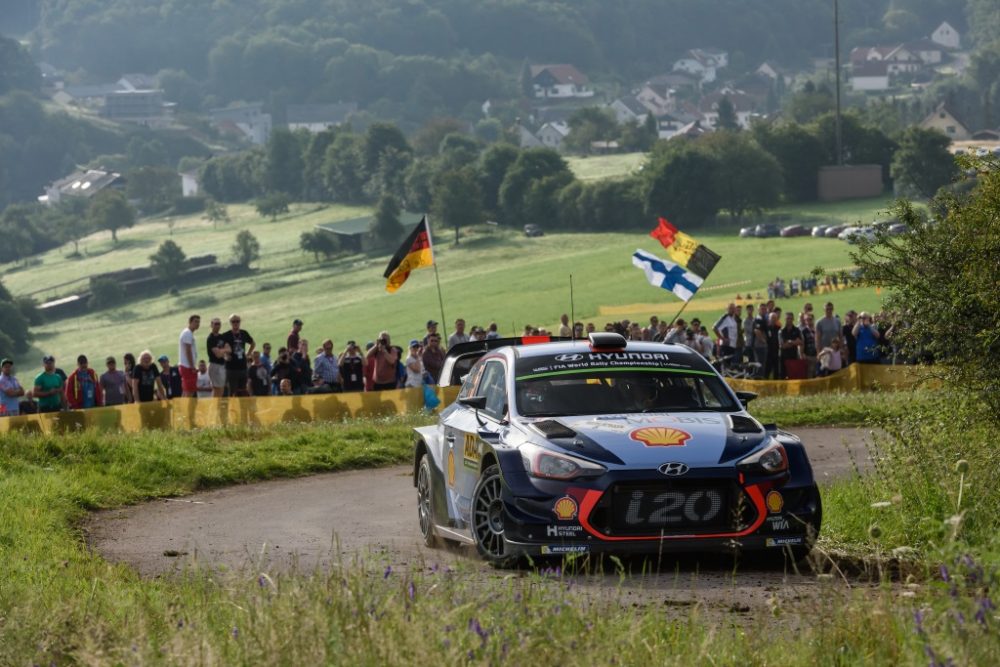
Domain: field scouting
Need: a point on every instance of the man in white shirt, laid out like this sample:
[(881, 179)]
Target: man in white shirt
[(204, 380), (459, 336), (188, 358), (726, 331)]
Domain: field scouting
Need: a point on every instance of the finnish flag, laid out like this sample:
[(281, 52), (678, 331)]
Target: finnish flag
[(669, 276)]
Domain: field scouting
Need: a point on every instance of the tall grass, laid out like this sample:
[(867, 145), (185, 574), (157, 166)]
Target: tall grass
[(62, 604)]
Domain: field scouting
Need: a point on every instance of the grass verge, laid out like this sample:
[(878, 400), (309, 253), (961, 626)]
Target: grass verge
[(61, 604), (853, 409)]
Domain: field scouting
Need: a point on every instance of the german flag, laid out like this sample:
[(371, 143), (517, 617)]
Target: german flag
[(416, 252)]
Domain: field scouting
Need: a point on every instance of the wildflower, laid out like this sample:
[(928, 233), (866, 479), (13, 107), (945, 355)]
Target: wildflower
[(474, 626), (918, 621), (944, 573), (236, 632), (411, 590), (961, 466), (388, 571)]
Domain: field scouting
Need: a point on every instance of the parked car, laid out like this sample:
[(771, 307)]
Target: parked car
[(898, 228), (819, 231), (766, 231), (746, 232), (855, 234), (606, 446), (533, 230), (833, 231), (794, 230)]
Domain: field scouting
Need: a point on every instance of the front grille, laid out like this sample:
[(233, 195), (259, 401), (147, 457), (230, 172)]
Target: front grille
[(688, 507)]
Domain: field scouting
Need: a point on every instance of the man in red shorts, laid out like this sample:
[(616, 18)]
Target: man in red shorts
[(188, 358)]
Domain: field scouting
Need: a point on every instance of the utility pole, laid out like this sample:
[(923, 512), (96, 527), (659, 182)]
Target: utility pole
[(836, 60)]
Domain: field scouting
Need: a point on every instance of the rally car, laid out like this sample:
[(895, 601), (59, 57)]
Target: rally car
[(606, 445)]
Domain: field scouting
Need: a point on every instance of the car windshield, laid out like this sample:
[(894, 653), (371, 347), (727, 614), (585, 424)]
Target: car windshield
[(595, 391)]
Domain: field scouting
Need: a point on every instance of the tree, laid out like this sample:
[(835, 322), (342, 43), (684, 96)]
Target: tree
[(747, 178), (19, 71), (272, 205), (156, 188), (343, 169), (427, 140), (588, 125), (679, 183), (284, 165), (110, 210), (168, 262), (385, 226), (531, 167), (246, 248), (72, 230), (727, 116), (799, 153), (457, 200), (215, 213), (319, 243), (923, 163), (942, 275), (379, 138), (493, 165)]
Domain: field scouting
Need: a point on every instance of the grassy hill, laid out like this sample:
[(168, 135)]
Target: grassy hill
[(494, 275)]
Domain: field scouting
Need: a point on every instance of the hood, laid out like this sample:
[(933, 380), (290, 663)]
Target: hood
[(698, 439)]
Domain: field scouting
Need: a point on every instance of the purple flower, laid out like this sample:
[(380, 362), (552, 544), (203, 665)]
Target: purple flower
[(985, 606), (388, 571), (474, 626), (411, 590), (944, 573), (261, 581), (180, 624), (236, 632), (918, 621)]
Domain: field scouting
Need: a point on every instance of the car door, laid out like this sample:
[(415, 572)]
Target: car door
[(465, 431)]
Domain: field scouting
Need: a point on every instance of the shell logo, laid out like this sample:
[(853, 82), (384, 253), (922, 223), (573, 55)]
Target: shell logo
[(774, 502), (565, 508), (660, 436)]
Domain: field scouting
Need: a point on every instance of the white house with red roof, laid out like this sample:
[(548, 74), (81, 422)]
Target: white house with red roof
[(560, 81)]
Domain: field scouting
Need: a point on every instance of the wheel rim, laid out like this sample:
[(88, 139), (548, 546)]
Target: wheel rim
[(488, 517), (424, 500)]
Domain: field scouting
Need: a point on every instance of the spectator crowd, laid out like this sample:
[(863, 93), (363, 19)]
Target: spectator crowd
[(761, 340)]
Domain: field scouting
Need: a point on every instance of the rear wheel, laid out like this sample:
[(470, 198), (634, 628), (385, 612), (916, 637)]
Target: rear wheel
[(489, 519), (425, 510)]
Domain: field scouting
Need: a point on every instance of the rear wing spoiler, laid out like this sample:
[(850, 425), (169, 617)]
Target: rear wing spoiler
[(461, 357)]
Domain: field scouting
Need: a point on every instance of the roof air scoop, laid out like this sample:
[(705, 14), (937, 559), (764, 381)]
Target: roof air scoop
[(607, 341)]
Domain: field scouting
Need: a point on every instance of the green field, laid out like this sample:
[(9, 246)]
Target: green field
[(597, 167), (493, 275)]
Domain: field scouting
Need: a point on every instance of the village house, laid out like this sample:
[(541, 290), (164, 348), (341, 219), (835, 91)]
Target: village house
[(743, 106), (553, 134), (140, 107), (870, 76), (947, 36), (560, 81), (945, 121), (898, 58), (929, 52), (702, 63), (84, 184), (316, 118), (629, 110), (248, 121)]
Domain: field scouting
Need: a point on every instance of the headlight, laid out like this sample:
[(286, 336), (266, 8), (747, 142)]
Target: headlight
[(547, 464), (770, 460)]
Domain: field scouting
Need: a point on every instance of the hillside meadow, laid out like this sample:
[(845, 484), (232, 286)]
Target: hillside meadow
[(494, 274)]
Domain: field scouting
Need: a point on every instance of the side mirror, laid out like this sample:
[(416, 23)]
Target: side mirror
[(477, 403), (745, 397), (474, 402)]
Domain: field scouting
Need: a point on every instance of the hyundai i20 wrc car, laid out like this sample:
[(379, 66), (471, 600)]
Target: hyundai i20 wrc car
[(606, 445)]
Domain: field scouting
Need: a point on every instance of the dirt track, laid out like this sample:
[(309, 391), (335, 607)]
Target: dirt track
[(312, 521)]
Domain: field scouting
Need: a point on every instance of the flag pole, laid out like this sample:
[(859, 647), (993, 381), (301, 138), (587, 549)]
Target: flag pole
[(679, 312), (572, 309), (437, 281)]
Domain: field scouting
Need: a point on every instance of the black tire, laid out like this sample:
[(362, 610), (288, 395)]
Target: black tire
[(425, 503), (489, 518)]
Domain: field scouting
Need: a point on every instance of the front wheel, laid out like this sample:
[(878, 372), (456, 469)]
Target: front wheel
[(489, 519), (425, 511)]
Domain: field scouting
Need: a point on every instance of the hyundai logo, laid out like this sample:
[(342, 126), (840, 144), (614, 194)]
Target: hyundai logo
[(569, 357), (673, 469)]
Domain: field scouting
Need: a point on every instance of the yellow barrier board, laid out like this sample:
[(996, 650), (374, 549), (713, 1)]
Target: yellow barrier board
[(192, 413), (856, 377)]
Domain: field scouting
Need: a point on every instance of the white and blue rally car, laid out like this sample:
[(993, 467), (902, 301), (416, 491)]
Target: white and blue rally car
[(606, 445)]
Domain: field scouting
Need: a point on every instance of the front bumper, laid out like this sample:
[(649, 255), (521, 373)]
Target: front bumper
[(572, 518)]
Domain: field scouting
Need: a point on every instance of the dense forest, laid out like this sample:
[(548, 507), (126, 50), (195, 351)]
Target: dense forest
[(416, 50)]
